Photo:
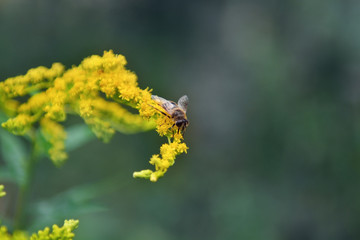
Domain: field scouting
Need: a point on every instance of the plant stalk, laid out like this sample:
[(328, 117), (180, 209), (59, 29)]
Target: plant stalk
[(24, 189)]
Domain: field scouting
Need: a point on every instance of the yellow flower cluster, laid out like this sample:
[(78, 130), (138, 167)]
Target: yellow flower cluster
[(55, 134), (65, 232), (97, 90), (168, 153), (17, 235)]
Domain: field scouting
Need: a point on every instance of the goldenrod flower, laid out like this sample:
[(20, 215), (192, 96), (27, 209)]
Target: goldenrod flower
[(17, 235), (55, 134), (168, 152), (97, 91), (20, 124), (34, 79), (64, 232)]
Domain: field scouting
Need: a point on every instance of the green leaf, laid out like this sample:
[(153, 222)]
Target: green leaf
[(77, 136), (14, 153), (71, 203)]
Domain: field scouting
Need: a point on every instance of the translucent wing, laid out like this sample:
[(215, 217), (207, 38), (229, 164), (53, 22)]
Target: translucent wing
[(158, 99), (167, 105), (183, 102)]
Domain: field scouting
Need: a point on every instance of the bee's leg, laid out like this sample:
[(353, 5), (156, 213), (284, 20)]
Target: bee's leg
[(183, 130)]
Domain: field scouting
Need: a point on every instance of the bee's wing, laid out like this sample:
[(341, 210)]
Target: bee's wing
[(166, 105), (183, 102), (158, 99)]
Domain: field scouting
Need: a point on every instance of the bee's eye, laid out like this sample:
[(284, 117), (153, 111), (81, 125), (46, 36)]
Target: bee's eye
[(179, 123)]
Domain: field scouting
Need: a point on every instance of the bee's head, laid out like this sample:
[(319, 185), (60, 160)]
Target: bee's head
[(182, 124)]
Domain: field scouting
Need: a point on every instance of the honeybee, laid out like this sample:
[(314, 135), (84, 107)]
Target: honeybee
[(175, 111)]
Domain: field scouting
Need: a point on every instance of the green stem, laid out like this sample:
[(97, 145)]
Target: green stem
[(169, 139), (24, 189)]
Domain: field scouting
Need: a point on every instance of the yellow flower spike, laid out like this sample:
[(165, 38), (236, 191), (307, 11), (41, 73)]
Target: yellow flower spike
[(156, 175), (56, 112), (17, 235), (163, 125), (71, 224), (9, 106), (120, 118), (168, 152), (85, 108), (155, 160), (42, 234), (34, 79), (97, 91), (35, 103), (18, 125), (65, 232), (4, 233), (100, 128), (143, 174), (107, 86), (55, 134), (108, 62)]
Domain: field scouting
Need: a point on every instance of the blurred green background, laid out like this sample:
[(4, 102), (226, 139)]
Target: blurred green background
[(274, 131)]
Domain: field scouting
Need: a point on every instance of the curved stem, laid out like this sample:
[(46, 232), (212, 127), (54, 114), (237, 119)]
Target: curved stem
[(24, 189)]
